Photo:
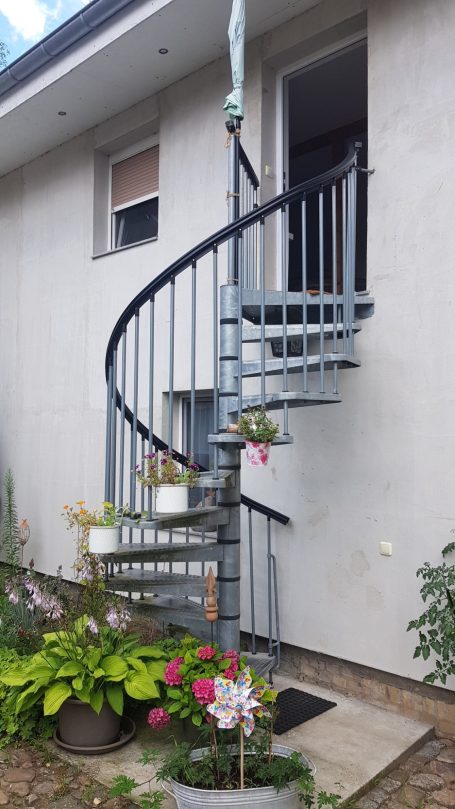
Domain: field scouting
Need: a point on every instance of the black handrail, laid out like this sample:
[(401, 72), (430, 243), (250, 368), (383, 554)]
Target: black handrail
[(190, 258), (248, 167)]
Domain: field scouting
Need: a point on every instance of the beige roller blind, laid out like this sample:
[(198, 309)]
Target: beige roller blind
[(135, 176)]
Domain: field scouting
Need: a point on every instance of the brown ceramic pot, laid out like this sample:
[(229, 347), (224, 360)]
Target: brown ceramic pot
[(80, 726)]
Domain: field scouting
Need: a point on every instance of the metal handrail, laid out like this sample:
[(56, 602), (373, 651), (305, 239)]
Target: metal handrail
[(244, 160), (220, 237)]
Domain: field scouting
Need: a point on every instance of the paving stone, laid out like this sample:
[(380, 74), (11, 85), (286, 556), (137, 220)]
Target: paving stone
[(445, 797), (15, 774), (366, 803), (3, 798), (426, 781), (389, 784), (431, 749), (67, 802), (45, 788), (20, 788), (447, 755), (411, 765), (399, 775), (411, 796), (378, 795)]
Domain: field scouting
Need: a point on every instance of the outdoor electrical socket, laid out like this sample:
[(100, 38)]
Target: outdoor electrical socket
[(385, 548), (269, 172)]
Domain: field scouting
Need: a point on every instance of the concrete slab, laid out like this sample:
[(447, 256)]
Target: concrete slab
[(351, 745)]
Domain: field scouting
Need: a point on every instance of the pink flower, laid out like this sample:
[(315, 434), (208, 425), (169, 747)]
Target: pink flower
[(206, 653), (158, 718), (234, 657), (231, 672), (204, 691), (171, 675)]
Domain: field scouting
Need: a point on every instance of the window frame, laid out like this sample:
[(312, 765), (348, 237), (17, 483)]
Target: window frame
[(117, 157)]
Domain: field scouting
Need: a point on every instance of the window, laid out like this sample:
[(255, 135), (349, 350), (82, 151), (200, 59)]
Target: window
[(134, 198), (202, 451)]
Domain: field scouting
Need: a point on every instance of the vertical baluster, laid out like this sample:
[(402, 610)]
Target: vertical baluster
[(353, 256), (334, 285), (262, 287), (344, 248), (321, 291), (171, 378), (255, 237), (133, 447), (284, 294), (251, 553), (151, 390), (203, 563), (215, 355), (107, 476), (113, 462), (193, 380), (122, 421), (277, 613), (269, 588), (142, 499), (304, 300), (240, 315)]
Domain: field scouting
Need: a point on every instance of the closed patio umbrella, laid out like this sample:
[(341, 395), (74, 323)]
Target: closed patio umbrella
[(234, 101)]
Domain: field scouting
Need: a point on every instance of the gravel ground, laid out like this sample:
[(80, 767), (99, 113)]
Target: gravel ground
[(33, 778)]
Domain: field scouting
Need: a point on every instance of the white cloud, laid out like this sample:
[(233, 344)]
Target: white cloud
[(29, 18)]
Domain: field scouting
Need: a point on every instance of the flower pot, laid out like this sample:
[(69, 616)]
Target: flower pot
[(171, 499), (257, 453), (80, 726), (104, 539), (264, 797)]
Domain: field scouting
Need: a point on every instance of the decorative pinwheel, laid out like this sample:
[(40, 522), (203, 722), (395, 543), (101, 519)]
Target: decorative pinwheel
[(236, 703)]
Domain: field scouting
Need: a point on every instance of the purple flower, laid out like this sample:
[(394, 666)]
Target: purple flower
[(92, 626), (112, 618), (13, 597)]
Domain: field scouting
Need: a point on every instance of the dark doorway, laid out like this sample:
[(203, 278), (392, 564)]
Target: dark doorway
[(326, 112)]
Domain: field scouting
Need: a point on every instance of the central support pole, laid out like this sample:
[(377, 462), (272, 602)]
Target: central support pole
[(229, 461)]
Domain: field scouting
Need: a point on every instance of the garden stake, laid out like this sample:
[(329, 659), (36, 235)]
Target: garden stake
[(242, 759)]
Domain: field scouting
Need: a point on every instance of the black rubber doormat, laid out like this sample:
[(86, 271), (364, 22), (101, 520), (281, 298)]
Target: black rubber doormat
[(296, 707)]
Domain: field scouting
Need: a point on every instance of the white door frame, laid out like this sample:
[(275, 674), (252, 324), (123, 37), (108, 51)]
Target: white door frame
[(282, 153)]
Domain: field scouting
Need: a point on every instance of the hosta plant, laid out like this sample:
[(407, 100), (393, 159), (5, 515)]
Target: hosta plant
[(436, 625), (90, 662)]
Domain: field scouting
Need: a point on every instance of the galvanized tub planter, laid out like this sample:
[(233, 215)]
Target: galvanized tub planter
[(265, 797), (104, 539), (171, 498)]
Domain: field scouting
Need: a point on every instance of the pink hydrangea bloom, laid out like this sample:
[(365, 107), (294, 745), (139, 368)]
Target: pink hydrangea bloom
[(171, 675), (204, 691), (206, 653), (158, 718)]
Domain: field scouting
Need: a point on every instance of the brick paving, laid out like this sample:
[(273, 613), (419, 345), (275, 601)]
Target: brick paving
[(34, 779)]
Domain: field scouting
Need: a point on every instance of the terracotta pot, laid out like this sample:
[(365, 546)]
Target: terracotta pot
[(257, 453), (80, 726)]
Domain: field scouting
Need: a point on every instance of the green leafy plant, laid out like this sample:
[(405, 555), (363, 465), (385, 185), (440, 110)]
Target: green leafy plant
[(255, 425), (30, 725), (436, 625), (162, 470), (94, 664), (10, 544)]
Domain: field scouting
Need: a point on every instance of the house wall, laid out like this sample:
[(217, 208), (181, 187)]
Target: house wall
[(376, 467)]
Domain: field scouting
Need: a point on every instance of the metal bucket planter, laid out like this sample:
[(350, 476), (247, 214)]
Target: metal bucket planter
[(257, 453), (80, 726), (264, 797), (104, 539), (171, 499)]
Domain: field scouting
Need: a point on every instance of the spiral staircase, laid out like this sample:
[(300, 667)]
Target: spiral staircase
[(212, 321)]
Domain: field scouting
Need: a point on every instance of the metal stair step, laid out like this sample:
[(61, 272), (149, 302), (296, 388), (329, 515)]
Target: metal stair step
[(262, 663), (208, 517), (252, 334), (165, 552), (251, 306), (274, 401), (175, 612), (274, 366), (206, 480), (157, 581), (235, 438)]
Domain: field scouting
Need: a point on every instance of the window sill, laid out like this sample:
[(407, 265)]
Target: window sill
[(125, 247)]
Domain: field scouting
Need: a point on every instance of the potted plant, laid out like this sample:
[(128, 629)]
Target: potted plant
[(259, 430), (234, 773), (100, 528), (171, 483), (83, 669)]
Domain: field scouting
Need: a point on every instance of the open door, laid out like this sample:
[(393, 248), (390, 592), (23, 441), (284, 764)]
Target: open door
[(326, 110)]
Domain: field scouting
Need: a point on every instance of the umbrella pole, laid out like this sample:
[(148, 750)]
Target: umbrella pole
[(242, 760)]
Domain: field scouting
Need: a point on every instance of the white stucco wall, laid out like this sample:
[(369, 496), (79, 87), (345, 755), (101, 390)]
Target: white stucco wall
[(376, 467)]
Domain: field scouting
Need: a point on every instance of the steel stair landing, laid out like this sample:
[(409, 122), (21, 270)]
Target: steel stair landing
[(251, 306)]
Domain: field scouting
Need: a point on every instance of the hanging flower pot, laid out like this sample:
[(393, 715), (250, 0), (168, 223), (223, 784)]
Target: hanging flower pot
[(104, 539), (172, 499), (257, 452)]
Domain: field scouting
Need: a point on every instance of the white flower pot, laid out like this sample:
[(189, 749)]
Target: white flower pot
[(171, 499), (257, 453), (104, 539), (264, 797)]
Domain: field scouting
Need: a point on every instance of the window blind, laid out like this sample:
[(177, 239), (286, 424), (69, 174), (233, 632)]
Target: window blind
[(135, 177)]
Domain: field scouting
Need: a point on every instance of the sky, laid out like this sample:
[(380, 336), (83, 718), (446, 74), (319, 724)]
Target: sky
[(24, 22)]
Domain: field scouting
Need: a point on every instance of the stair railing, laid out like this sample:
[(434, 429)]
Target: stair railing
[(167, 341)]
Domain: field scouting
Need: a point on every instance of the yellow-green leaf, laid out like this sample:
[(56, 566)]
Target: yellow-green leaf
[(55, 696), (141, 686)]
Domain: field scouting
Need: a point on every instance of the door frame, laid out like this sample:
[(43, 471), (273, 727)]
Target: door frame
[(282, 114)]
